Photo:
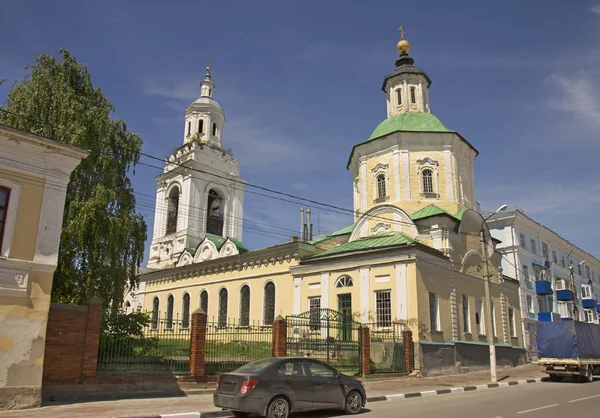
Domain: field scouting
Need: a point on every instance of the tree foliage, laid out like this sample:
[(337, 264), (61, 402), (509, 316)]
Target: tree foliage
[(102, 241)]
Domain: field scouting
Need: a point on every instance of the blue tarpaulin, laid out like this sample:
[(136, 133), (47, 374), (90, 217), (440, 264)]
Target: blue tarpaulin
[(568, 339)]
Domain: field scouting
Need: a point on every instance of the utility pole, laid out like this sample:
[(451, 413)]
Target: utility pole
[(574, 290)]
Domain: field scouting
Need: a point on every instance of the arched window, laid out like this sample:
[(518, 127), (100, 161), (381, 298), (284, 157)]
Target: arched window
[(189, 128), (155, 313), (170, 301), (201, 126), (344, 281), (214, 220), (172, 209), (269, 304), (399, 96), (413, 95), (214, 131), (204, 301), (127, 307), (245, 306), (185, 311), (427, 181), (381, 192), (222, 319)]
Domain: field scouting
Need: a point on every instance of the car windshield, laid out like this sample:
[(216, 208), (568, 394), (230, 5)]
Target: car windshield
[(254, 367)]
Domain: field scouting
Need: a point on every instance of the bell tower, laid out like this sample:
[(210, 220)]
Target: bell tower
[(200, 192)]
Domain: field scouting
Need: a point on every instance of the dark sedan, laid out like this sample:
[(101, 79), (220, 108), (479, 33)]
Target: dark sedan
[(275, 387)]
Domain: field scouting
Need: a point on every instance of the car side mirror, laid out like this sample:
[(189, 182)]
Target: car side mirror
[(336, 375)]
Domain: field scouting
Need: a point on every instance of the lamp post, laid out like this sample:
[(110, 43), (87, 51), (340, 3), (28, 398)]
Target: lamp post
[(488, 304), (574, 288)]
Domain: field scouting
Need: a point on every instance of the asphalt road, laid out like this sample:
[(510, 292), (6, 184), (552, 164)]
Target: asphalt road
[(539, 400)]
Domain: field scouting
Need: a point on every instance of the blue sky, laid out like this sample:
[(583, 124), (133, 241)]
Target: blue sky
[(300, 85)]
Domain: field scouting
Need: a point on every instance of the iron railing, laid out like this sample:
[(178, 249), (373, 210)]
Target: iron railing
[(230, 345), (214, 225), (387, 347), (162, 347)]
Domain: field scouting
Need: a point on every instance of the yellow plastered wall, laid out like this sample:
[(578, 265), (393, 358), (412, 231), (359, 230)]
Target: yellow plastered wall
[(385, 159)]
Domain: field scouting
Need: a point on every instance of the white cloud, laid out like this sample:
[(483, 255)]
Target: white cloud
[(596, 9), (187, 91)]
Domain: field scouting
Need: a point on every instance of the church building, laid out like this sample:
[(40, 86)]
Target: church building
[(415, 254)]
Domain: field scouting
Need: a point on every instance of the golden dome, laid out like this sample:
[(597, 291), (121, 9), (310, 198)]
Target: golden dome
[(403, 46)]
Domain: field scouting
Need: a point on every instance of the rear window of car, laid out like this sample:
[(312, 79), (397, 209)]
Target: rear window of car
[(254, 367)]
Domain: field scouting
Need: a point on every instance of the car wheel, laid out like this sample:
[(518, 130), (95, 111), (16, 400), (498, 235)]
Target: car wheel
[(588, 377), (240, 414), (278, 408), (353, 403)]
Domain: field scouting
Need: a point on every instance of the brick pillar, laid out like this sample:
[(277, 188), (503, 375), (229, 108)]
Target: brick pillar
[(365, 339), (409, 350), (279, 337), (198, 344), (92, 337)]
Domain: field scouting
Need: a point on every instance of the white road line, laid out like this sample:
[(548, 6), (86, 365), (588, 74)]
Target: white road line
[(537, 409), (583, 399)]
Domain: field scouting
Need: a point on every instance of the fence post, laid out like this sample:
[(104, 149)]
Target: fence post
[(279, 337), (198, 344), (409, 350), (92, 337), (365, 339)]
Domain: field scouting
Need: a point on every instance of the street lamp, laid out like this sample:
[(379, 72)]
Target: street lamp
[(488, 303), (575, 307)]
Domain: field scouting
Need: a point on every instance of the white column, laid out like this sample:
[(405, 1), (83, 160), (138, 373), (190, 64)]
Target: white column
[(421, 98), (159, 212), (396, 162), (406, 174), (325, 290), (185, 201), (51, 217), (363, 186), (448, 164), (401, 292), (454, 309), (405, 96), (365, 294), (297, 295)]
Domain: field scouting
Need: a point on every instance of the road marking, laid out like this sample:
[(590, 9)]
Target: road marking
[(583, 399), (537, 409)]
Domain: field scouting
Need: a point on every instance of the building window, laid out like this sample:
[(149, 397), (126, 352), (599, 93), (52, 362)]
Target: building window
[(562, 260), (586, 291), (344, 281), (554, 258), (479, 319), (526, 273), (185, 311), (560, 284), (564, 309), (381, 193), (399, 96), (214, 130), (245, 306), (533, 246), (588, 315), (170, 302), (172, 210), (433, 312), (545, 252), (427, 181), (588, 273), (4, 196), (522, 238), (530, 308), (269, 304), (204, 301), (466, 315), (155, 312), (189, 128), (214, 220), (314, 307), (222, 318), (201, 126), (413, 95), (383, 308), (511, 322)]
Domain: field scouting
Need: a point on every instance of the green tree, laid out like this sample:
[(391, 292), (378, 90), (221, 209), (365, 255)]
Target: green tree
[(102, 241)]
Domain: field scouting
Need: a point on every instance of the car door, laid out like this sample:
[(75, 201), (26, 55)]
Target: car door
[(327, 392), (296, 381)]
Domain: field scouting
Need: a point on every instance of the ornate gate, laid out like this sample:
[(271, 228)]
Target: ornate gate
[(328, 335)]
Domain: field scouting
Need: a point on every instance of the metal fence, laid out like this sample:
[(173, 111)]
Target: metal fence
[(327, 335), (160, 347), (387, 348), (230, 345)]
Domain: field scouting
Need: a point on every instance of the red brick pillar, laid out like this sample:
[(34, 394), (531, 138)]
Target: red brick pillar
[(198, 344), (279, 337), (92, 337), (365, 338), (409, 350)]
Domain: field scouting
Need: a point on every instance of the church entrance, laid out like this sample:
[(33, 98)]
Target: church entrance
[(345, 310)]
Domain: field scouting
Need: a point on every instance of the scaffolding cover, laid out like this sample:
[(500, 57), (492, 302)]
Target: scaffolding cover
[(568, 339)]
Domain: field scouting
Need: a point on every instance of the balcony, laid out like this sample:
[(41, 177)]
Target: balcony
[(545, 316), (564, 295), (588, 303), (543, 287), (598, 307)]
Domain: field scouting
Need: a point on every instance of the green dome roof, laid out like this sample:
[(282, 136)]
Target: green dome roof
[(410, 121)]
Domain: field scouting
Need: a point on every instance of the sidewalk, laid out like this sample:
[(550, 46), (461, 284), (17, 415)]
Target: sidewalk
[(203, 402)]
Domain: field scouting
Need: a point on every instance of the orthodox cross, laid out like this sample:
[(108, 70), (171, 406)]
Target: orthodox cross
[(401, 32)]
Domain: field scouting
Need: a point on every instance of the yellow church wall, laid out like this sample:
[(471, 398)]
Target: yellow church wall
[(385, 158)]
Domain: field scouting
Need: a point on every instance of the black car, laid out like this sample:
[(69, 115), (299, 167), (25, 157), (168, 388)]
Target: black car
[(275, 387)]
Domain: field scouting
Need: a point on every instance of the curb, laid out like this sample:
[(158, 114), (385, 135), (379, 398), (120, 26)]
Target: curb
[(458, 389)]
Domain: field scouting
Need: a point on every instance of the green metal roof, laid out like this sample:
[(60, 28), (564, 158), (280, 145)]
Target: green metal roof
[(370, 243), (238, 244), (320, 240), (411, 122), (215, 241), (431, 210), (343, 231), (191, 251)]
